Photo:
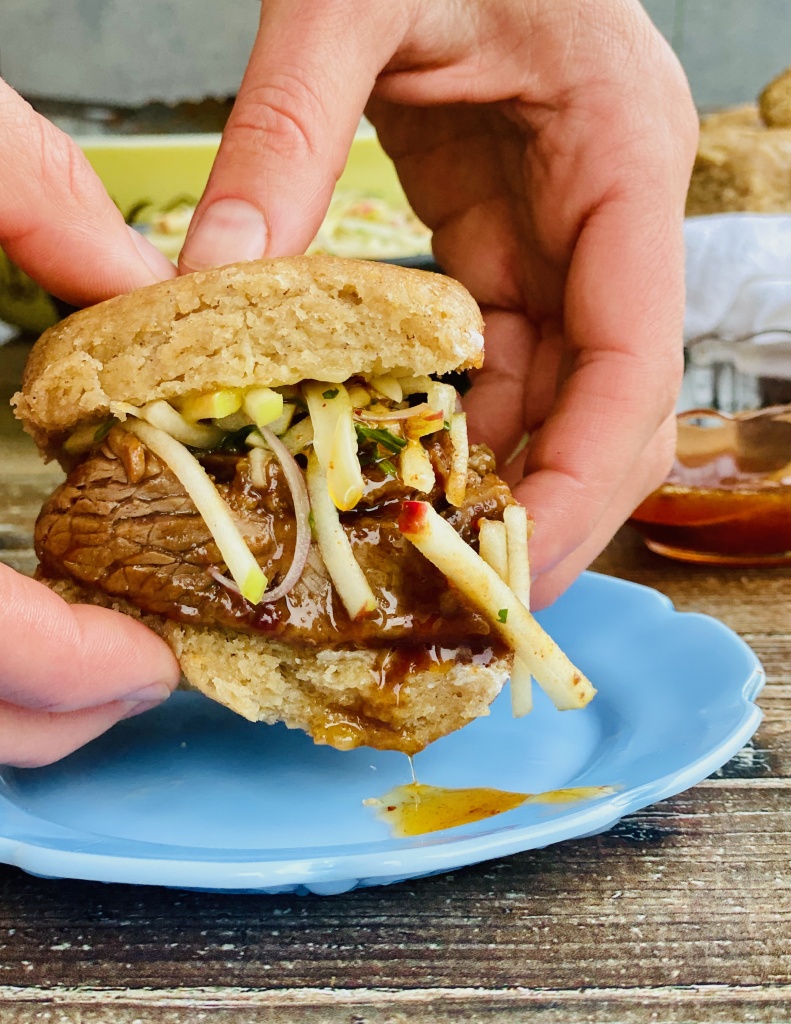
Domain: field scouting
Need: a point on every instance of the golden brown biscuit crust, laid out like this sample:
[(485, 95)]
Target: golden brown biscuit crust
[(775, 101), (271, 322), (741, 164)]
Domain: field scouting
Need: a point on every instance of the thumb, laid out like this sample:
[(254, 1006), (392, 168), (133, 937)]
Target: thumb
[(312, 69), (56, 220), (65, 657)]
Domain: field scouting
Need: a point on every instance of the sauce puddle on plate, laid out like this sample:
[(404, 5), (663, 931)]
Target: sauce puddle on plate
[(416, 808)]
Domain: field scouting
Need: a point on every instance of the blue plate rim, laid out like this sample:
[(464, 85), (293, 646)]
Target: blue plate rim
[(220, 870)]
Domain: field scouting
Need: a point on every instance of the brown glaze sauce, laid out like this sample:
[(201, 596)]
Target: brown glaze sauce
[(397, 663), (371, 720), (416, 808), (720, 511), (727, 499), (414, 604)]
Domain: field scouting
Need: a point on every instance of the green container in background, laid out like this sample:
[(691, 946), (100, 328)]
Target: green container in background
[(153, 173)]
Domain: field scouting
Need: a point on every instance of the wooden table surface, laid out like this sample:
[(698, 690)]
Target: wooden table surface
[(681, 912)]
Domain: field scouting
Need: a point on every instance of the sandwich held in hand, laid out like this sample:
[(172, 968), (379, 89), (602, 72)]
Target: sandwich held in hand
[(263, 467)]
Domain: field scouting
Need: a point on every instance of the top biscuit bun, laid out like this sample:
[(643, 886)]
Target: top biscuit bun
[(266, 322)]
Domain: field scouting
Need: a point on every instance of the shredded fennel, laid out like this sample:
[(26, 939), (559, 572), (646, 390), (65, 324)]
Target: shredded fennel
[(247, 573)]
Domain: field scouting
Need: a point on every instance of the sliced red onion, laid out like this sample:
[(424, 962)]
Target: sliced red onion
[(231, 585), (394, 414), (299, 495)]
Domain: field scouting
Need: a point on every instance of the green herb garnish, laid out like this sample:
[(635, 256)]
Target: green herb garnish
[(370, 459), (502, 615), (332, 393), (234, 442), (381, 437), (312, 523), (104, 429)]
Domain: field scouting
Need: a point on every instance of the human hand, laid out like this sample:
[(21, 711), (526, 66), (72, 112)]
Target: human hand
[(56, 220), (67, 673), (548, 146)]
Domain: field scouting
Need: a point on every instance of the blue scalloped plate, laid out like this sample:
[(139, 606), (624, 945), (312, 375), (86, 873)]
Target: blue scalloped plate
[(191, 795)]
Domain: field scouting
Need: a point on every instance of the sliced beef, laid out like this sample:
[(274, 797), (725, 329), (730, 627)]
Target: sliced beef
[(485, 499), (123, 523)]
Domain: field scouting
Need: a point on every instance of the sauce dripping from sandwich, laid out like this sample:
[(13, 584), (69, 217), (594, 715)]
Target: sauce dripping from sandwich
[(371, 720), (396, 664), (416, 808)]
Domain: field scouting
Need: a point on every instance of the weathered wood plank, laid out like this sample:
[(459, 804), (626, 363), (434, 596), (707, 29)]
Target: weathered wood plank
[(773, 649), (750, 601), (695, 891), (435, 1006)]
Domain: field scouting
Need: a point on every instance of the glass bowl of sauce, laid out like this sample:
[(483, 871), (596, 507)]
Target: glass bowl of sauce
[(727, 499)]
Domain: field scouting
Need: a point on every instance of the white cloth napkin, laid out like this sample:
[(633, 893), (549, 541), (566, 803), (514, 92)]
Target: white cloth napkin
[(738, 276), (738, 273)]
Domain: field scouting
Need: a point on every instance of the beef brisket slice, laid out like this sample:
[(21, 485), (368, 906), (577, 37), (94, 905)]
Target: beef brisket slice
[(123, 523)]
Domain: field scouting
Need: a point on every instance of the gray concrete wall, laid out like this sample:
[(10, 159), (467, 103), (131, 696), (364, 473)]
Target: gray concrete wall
[(126, 52), (131, 51), (732, 48)]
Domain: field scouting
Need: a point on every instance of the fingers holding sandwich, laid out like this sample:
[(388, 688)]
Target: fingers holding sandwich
[(311, 72), (33, 739), (71, 672), (56, 220), (647, 474)]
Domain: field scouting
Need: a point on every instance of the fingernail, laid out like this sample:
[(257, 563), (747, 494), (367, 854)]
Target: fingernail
[(159, 265), (227, 231), (139, 708), (155, 692)]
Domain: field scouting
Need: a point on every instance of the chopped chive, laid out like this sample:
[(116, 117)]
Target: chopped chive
[(502, 615), (103, 430), (388, 467), (234, 442), (446, 425), (332, 393), (381, 436)]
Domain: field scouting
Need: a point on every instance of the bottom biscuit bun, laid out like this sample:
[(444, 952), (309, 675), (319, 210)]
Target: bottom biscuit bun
[(340, 698)]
